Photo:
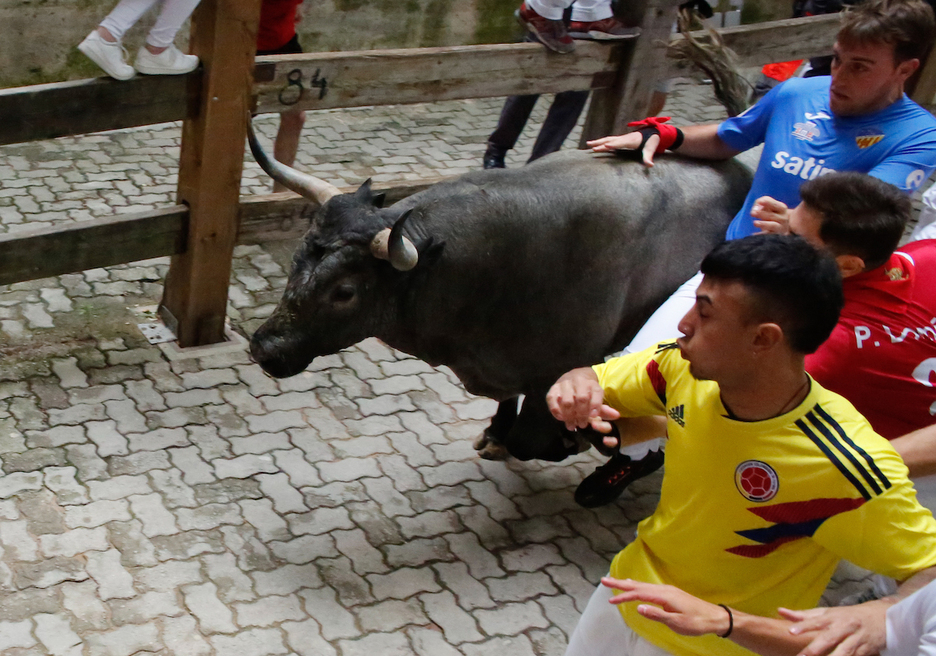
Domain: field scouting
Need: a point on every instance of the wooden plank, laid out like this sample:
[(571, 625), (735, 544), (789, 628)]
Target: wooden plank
[(32, 254), (286, 215), (194, 304), (778, 41), (925, 88), (47, 111), (41, 253), (392, 77)]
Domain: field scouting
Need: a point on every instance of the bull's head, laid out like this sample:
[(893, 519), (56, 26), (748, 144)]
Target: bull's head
[(340, 284)]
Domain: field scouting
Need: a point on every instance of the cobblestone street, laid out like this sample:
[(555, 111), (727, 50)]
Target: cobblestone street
[(181, 507)]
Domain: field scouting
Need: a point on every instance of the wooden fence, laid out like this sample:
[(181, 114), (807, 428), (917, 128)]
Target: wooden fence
[(201, 231)]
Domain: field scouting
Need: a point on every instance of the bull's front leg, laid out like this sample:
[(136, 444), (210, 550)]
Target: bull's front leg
[(490, 444)]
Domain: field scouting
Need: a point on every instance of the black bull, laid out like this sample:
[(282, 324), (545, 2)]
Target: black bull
[(522, 274)]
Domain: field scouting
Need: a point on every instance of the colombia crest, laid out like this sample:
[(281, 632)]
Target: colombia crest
[(756, 481)]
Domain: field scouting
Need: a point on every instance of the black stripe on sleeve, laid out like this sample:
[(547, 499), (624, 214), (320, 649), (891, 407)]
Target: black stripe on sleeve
[(864, 454), (832, 458), (826, 433)]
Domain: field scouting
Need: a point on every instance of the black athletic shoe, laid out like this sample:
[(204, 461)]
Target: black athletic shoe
[(606, 483), (493, 159)]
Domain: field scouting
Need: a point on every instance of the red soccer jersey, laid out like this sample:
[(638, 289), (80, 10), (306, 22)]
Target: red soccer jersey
[(882, 354), (277, 23)]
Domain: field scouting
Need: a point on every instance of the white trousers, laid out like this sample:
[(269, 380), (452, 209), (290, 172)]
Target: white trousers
[(171, 16), (582, 10), (602, 631), (911, 625), (926, 225), (659, 327)]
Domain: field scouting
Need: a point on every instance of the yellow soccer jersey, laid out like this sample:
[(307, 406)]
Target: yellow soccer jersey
[(756, 515)]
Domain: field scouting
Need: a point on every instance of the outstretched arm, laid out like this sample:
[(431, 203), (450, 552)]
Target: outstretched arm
[(689, 615), (700, 141)]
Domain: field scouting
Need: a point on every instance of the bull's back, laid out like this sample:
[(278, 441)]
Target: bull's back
[(561, 261)]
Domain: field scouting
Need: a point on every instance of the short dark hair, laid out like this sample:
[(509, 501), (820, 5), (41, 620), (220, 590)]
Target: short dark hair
[(908, 25), (861, 215), (791, 283)]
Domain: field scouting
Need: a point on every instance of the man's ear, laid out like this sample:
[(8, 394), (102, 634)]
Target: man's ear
[(907, 68), (767, 337), (849, 265)]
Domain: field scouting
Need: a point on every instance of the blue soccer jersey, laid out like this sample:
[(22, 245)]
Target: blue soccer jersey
[(803, 140)]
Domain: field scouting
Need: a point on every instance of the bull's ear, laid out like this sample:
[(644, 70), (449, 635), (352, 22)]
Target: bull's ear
[(430, 251), (378, 199), (363, 192)]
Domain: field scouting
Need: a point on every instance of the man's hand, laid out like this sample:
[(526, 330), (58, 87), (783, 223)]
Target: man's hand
[(842, 631), (629, 141), (680, 611), (771, 216), (578, 400)]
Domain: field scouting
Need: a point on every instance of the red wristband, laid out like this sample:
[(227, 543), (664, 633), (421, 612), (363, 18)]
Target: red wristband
[(671, 137)]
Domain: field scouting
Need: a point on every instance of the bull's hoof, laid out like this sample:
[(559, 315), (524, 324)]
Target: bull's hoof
[(489, 448)]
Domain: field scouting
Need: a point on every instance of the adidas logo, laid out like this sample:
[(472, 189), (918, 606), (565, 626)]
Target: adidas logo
[(677, 414)]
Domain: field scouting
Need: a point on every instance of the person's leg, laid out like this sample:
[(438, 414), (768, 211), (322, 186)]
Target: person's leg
[(123, 17), (551, 9), (602, 631), (171, 17), (594, 19), (926, 224), (560, 120), (103, 44), (513, 118), (587, 11), (287, 140), (543, 18)]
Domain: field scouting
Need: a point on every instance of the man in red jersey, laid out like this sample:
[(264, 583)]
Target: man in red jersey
[(883, 350)]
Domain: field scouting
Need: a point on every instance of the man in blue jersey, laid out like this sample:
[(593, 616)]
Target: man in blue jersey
[(856, 120)]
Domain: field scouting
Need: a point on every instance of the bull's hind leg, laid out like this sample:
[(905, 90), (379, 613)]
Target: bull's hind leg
[(537, 435), (490, 444)]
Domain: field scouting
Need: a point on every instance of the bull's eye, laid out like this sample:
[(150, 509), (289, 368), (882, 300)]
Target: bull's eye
[(343, 293)]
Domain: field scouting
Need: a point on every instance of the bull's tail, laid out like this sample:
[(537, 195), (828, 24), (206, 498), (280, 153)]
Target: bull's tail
[(711, 55)]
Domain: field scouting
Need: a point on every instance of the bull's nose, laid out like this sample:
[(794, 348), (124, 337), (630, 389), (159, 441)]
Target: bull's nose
[(269, 359)]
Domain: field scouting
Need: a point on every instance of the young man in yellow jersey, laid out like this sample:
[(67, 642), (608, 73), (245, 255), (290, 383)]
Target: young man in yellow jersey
[(770, 479)]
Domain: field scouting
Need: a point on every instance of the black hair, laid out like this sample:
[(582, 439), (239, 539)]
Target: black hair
[(791, 284), (860, 215)]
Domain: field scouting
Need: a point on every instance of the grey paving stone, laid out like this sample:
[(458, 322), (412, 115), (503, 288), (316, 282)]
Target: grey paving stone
[(388, 644)]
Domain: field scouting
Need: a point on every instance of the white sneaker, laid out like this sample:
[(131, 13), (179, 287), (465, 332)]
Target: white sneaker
[(170, 61), (111, 57)]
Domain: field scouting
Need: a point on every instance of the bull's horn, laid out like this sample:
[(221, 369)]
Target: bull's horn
[(302, 183), (390, 244)]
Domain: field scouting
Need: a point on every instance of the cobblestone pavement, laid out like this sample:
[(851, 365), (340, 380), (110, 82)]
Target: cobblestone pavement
[(196, 506)]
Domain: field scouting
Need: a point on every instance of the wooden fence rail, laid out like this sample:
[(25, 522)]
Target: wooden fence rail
[(354, 79)]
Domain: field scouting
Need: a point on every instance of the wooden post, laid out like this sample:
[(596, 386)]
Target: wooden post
[(925, 88), (224, 36), (641, 69)]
